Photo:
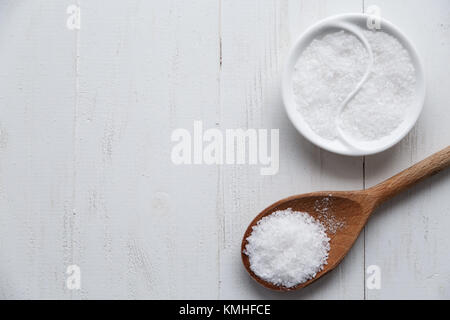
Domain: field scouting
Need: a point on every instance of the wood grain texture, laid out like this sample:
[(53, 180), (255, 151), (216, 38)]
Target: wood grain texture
[(147, 227), (85, 138), (411, 176), (407, 237), (36, 148), (254, 47)]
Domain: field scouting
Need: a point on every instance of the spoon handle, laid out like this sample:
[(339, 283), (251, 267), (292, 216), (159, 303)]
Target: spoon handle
[(405, 179)]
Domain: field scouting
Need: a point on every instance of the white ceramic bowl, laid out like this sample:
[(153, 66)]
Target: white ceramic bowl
[(340, 146)]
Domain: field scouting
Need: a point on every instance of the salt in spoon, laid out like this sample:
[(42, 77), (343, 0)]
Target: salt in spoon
[(353, 207)]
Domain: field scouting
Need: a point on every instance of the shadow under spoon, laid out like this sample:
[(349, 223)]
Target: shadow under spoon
[(353, 207)]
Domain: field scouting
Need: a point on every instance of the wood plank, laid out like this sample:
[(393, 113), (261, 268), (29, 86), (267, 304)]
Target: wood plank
[(146, 228), (407, 237), (256, 37), (37, 54)]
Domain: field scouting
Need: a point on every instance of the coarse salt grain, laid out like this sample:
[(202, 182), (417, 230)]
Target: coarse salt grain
[(331, 67), (324, 210), (287, 248)]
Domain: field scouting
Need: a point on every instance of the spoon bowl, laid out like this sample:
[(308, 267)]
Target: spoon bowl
[(351, 208)]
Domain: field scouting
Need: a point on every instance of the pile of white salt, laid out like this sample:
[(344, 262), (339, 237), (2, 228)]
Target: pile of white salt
[(287, 248), (331, 67)]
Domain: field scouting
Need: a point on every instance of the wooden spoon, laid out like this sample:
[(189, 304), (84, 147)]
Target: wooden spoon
[(353, 208)]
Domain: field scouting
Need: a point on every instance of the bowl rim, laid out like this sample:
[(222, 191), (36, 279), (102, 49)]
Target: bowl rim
[(332, 145)]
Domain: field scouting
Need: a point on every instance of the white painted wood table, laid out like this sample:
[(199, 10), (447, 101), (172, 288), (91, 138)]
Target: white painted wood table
[(86, 176)]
